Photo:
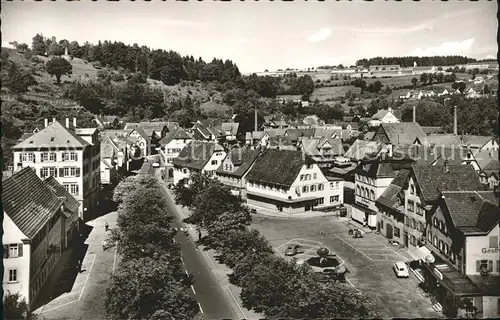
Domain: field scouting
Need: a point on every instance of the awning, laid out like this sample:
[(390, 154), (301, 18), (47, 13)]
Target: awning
[(421, 253), (276, 198)]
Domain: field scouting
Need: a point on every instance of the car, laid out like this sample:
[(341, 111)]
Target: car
[(292, 250), (156, 165), (401, 269)]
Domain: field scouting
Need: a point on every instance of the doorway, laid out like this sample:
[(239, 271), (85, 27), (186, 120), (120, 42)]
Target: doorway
[(389, 233), (406, 238)]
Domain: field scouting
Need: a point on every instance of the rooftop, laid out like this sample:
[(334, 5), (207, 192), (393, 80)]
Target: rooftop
[(242, 158), (178, 133), (196, 154), (277, 167), (403, 133), (53, 136)]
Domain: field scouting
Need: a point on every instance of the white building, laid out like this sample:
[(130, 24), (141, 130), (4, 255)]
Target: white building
[(35, 230), (383, 116), (171, 145), (197, 156), (71, 155), (283, 181)]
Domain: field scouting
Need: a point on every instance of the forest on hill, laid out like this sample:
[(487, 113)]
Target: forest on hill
[(421, 61)]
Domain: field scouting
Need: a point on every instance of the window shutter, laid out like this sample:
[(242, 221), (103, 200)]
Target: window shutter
[(490, 265), (77, 172), (478, 265), (5, 251), (61, 172), (20, 250)]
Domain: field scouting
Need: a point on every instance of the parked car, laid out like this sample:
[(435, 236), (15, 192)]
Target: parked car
[(156, 165), (292, 250), (401, 269)]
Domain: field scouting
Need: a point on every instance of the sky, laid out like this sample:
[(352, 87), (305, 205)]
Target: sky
[(267, 35)]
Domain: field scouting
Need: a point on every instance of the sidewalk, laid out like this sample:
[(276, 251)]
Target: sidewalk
[(220, 271), (302, 215)]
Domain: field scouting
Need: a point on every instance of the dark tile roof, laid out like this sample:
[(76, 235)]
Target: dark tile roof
[(431, 180), (231, 127), (376, 169), (53, 136), (281, 142), (28, 201), (403, 133), (178, 133), (474, 211), (275, 132), (152, 126), (487, 159), (313, 147), (242, 158), (202, 129), (432, 130), (70, 202), (277, 167), (196, 154), (389, 197), (140, 130), (362, 148)]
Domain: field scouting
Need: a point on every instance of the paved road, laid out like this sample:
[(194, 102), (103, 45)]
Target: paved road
[(206, 288)]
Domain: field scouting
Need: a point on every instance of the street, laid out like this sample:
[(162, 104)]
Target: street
[(206, 288)]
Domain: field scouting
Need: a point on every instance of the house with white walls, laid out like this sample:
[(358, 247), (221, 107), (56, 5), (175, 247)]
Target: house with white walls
[(383, 116), (197, 156), (35, 232), (287, 181), (171, 145)]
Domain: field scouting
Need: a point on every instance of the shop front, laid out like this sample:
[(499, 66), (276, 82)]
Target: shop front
[(364, 215), (449, 287)]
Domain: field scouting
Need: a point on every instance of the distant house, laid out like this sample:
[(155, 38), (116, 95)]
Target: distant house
[(197, 156), (141, 143), (107, 121), (294, 134), (383, 116), (289, 99), (256, 138), (234, 168), (109, 161), (473, 142), (202, 133), (293, 185), (230, 130), (312, 120), (404, 133), (171, 145), (361, 149), (489, 174), (322, 151), (432, 130), (153, 130)]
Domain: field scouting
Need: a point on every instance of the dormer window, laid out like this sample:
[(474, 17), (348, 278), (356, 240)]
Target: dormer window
[(412, 189)]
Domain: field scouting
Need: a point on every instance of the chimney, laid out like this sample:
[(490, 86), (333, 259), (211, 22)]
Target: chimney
[(455, 128), (256, 126), (414, 113), (446, 168), (74, 122), (53, 120), (67, 123), (46, 122)]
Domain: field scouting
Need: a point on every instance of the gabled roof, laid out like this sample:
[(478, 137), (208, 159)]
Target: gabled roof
[(109, 118), (275, 132), (242, 158), (324, 132), (85, 131), (53, 136), (150, 127), (279, 167), (376, 169), (201, 128), (114, 133), (472, 211), (254, 135), (28, 201), (108, 148), (178, 133), (196, 154), (362, 148), (432, 130), (380, 114), (231, 127), (389, 197), (403, 133), (313, 146), (431, 180), (485, 157), (70, 203), (140, 131), (295, 134)]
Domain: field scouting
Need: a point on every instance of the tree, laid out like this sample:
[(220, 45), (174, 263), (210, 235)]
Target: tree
[(75, 50), (424, 78), (246, 265), (486, 89), (18, 81), (132, 183), (149, 288), (38, 45), (56, 49), (15, 307), (184, 196), (323, 253), (440, 77), (414, 81), (58, 67)]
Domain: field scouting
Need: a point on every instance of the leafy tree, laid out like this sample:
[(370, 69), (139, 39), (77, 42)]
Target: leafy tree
[(424, 78), (75, 50), (430, 114), (18, 81), (440, 77), (459, 85), (149, 288), (58, 67), (244, 266), (38, 45), (132, 183), (56, 49), (185, 196), (414, 81), (15, 307)]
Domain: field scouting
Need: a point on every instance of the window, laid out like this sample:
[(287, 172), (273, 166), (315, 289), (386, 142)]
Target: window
[(73, 156), (413, 222), (301, 177), (412, 189), (214, 162), (435, 241), (435, 222), (452, 257), (30, 157), (14, 250), (494, 242), (184, 170), (411, 205), (320, 201), (486, 265), (358, 190), (337, 184), (397, 232), (315, 175), (309, 166), (441, 246), (66, 186), (407, 221), (74, 189), (420, 211), (446, 249), (45, 156), (331, 185), (66, 172), (313, 188), (308, 177), (429, 236), (334, 199), (44, 172), (305, 189), (413, 240), (372, 195), (320, 187), (12, 275)]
